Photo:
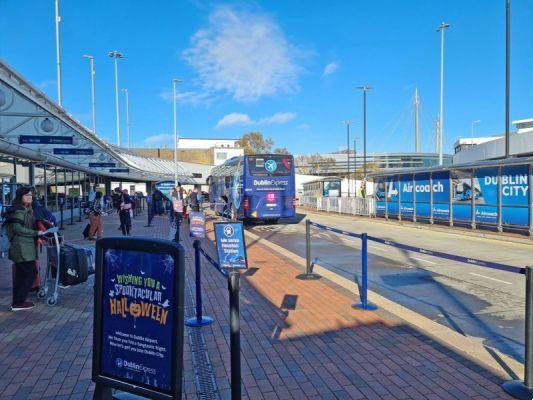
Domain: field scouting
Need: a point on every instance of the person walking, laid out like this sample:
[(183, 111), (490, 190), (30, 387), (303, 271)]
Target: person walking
[(193, 200), (95, 217), (22, 237), (124, 213), (177, 205)]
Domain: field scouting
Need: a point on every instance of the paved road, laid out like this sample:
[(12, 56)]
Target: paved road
[(475, 301)]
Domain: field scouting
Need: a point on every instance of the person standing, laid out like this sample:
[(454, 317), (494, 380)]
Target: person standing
[(157, 198), (124, 213), (95, 217), (23, 247), (193, 200), (177, 204)]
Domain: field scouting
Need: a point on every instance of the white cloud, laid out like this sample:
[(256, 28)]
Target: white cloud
[(330, 68), (244, 119), (163, 138), (234, 119), (278, 118), (193, 98), (243, 54)]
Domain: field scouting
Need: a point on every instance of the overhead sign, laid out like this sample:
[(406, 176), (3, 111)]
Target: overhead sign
[(231, 248), (138, 318), (102, 165), (165, 187), (197, 224), (71, 152), (117, 170), (39, 139)]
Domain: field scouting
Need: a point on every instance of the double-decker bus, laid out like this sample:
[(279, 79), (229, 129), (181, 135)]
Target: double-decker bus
[(254, 187)]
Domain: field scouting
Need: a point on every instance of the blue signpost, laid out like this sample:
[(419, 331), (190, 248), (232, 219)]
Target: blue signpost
[(138, 318), (231, 251)]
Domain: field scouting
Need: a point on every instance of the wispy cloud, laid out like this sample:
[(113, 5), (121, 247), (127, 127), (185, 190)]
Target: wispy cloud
[(245, 55), (330, 68), (193, 98), (278, 118), (234, 119), (244, 119), (47, 83), (163, 138)]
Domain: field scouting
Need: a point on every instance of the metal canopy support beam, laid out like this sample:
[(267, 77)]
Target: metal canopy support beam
[(472, 201), (431, 198), (450, 199), (45, 187), (500, 229), (530, 200)]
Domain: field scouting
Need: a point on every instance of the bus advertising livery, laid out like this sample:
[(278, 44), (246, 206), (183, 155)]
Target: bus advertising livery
[(254, 187)]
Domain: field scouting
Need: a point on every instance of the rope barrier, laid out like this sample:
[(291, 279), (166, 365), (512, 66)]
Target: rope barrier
[(433, 253), (213, 262)]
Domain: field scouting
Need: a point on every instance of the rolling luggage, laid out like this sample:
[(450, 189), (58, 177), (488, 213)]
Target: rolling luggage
[(85, 258), (71, 272)]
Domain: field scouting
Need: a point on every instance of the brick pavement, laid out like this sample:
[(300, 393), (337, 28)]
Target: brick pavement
[(299, 339)]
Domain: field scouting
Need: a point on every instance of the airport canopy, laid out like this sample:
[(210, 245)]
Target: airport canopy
[(35, 128)]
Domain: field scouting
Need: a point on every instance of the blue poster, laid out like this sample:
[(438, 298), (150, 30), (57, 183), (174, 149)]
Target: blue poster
[(515, 188), (406, 188), (197, 224), (73, 152), (165, 187), (137, 317), (102, 165), (422, 189), (42, 139), (380, 208), (230, 245), (441, 187)]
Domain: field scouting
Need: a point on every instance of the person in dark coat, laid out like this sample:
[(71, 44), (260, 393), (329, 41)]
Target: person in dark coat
[(22, 236), (124, 213)]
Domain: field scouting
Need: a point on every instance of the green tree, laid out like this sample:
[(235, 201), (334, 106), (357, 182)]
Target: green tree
[(255, 143), (281, 150)]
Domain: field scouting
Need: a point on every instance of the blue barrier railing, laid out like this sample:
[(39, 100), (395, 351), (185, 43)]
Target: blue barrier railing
[(213, 262)]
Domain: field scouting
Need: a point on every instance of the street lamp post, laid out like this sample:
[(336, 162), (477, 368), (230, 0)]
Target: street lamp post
[(477, 121), (58, 56), (364, 89), (93, 97), (441, 29), (507, 73), (174, 81), (116, 55), (348, 122), (126, 93)]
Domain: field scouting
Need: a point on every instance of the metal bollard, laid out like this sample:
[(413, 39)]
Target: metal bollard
[(79, 209), (309, 275), (71, 212), (61, 227), (364, 305), (199, 320), (517, 388), (149, 215), (235, 335)]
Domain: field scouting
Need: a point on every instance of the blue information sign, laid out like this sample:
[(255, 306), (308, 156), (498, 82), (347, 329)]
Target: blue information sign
[(197, 224), (116, 170), (138, 316), (165, 187), (231, 248), (102, 165), (73, 152), (38, 139)]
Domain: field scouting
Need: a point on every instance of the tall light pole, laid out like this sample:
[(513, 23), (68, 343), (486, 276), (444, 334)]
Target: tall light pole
[(364, 89), (93, 98), (116, 55), (58, 57), (348, 122), (126, 93), (441, 29), (477, 121), (507, 73), (174, 81)]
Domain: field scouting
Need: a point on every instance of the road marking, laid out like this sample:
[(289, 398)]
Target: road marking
[(492, 279), (421, 259)]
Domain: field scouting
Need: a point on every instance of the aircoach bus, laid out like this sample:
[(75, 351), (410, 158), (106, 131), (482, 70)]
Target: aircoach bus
[(254, 187)]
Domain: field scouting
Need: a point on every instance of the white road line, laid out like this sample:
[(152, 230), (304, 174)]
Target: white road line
[(377, 248), (421, 259), (492, 279)]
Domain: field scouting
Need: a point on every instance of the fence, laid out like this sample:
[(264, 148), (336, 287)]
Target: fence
[(517, 388), (342, 205)]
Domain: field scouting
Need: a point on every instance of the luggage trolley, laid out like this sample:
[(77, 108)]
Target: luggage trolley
[(53, 246)]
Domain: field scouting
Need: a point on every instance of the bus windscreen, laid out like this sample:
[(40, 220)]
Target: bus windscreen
[(271, 165)]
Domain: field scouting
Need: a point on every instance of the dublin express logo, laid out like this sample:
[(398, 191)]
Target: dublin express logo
[(271, 166), (119, 362)]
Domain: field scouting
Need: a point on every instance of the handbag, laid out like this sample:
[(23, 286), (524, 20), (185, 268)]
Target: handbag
[(125, 206)]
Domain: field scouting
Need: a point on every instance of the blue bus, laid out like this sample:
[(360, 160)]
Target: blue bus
[(254, 187)]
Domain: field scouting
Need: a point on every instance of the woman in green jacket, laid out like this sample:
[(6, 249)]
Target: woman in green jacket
[(23, 247)]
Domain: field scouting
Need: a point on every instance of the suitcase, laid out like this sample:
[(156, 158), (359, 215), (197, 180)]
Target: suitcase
[(71, 271), (85, 258), (36, 283), (85, 232)]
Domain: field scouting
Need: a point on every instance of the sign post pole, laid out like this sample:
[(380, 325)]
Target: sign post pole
[(235, 334), (61, 214)]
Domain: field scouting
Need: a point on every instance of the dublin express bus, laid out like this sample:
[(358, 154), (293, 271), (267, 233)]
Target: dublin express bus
[(254, 187)]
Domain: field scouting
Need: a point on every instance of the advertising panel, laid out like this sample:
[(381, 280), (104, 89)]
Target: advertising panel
[(229, 237), (379, 191), (38, 139), (332, 188), (515, 195), (462, 193), (406, 195), (197, 224), (392, 195), (138, 316), (422, 192)]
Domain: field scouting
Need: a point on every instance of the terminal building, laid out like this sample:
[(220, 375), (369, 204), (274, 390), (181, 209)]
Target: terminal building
[(44, 146)]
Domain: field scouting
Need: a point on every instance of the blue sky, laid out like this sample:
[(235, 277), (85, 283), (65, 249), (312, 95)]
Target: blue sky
[(287, 69)]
